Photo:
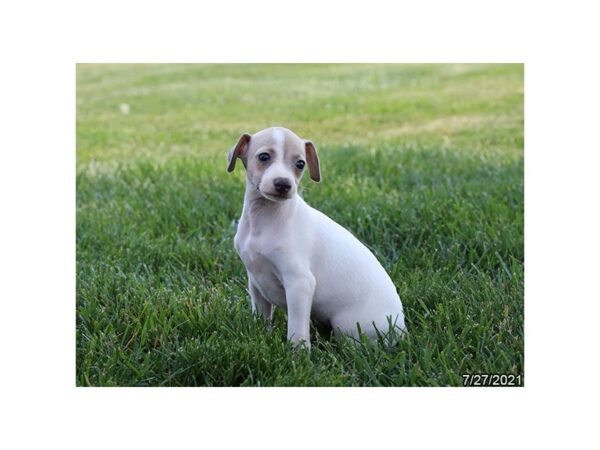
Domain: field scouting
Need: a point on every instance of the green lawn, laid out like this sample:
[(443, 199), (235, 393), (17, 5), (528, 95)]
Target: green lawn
[(423, 163)]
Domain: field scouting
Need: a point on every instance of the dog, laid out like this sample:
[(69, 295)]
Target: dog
[(299, 259)]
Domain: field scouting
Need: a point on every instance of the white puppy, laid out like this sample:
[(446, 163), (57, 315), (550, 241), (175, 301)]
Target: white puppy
[(296, 257)]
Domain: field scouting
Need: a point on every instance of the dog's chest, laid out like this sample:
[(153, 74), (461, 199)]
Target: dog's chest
[(256, 255)]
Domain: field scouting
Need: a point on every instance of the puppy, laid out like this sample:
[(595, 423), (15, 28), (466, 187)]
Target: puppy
[(296, 257)]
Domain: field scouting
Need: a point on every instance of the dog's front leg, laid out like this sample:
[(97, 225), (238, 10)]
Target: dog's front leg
[(299, 291), (260, 305)]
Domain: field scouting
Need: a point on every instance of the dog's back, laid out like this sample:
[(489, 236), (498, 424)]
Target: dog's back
[(351, 285)]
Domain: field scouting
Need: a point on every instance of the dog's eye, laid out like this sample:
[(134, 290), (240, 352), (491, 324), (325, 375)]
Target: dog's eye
[(264, 157), (300, 164)]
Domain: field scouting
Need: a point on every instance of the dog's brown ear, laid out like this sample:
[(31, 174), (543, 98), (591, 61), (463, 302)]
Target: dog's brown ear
[(312, 158), (238, 151)]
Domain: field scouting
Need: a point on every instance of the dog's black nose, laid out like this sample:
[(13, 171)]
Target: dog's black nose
[(282, 185)]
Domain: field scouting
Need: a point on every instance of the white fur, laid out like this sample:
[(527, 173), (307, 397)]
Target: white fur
[(279, 137), (300, 260)]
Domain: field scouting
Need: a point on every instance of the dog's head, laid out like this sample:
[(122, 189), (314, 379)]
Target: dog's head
[(275, 159)]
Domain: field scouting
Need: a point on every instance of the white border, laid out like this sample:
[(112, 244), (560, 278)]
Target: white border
[(41, 43)]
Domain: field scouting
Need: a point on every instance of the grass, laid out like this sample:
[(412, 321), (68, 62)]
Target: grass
[(423, 163)]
